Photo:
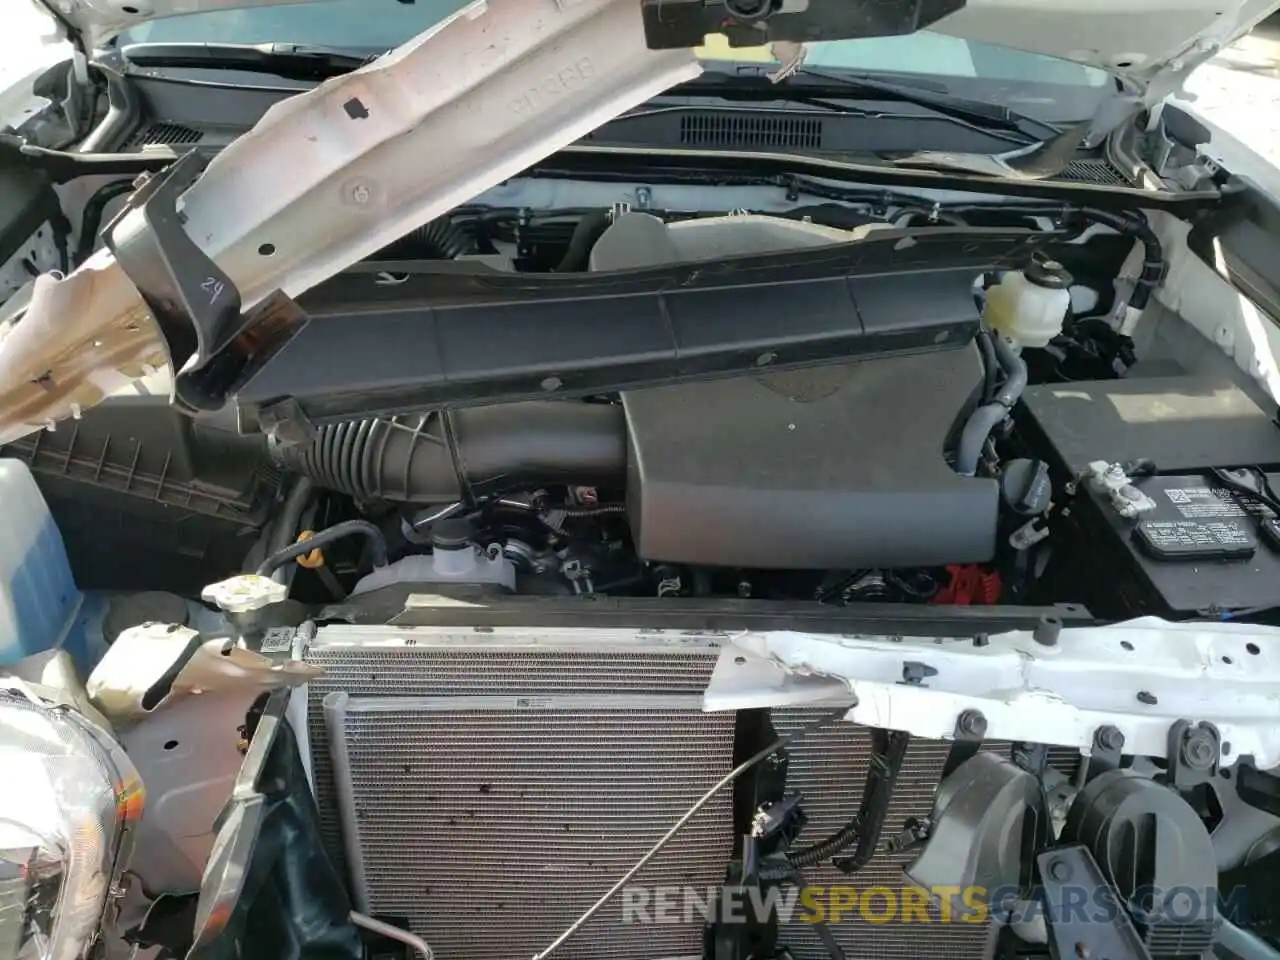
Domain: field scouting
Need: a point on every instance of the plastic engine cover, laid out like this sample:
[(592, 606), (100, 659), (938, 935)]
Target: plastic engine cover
[(829, 468)]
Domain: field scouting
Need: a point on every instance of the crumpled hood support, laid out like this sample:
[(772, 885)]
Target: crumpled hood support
[(333, 175)]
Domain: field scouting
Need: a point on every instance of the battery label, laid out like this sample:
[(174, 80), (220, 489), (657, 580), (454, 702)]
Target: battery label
[(1196, 503), (1180, 535)]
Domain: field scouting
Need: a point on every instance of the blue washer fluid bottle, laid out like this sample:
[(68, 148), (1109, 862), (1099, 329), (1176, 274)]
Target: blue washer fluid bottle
[(39, 601)]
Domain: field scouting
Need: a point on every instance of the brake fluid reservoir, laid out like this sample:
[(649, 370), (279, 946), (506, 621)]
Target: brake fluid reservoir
[(1029, 307)]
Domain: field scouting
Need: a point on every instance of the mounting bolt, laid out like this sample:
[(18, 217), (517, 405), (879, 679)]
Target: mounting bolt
[(1060, 870), (1149, 699), (1108, 738), (981, 640), (1199, 748), (971, 723)]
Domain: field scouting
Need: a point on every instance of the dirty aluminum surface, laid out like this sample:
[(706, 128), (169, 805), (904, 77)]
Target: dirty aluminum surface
[(492, 823), (591, 766), (440, 721)]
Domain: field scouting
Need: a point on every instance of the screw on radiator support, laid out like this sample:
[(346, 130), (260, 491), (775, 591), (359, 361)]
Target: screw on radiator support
[(1148, 698), (1108, 738), (1199, 749)]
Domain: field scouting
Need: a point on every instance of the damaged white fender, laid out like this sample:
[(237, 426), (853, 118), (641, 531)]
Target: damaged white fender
[(1140, 677), (334, 174)]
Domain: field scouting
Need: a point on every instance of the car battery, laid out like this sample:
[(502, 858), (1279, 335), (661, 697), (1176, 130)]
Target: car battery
[(1202, 551)]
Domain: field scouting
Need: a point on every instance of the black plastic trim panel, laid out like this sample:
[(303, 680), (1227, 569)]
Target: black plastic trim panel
[(709, 614), (898, 292), (686, 165)]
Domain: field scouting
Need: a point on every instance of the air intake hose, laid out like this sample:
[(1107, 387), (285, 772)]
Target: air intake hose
[(441, 239), (439, 457)]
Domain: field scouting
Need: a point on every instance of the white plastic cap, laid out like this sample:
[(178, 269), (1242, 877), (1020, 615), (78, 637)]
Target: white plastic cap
[(244, 593)]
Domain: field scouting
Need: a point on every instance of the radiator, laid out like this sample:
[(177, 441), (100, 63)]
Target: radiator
[(828, 768), (494, 784), (497, 784)]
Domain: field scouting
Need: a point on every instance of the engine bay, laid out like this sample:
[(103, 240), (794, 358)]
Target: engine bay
[(941, 461), (612, 563)]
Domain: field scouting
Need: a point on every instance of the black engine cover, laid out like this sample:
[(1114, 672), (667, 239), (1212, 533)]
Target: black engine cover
[(835, 467)]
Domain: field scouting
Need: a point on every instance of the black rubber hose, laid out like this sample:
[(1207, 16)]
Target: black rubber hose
[(824, 850), (348, 528), (988, 416), (444, 238), (1153, 264), (990, 365), (441, 239), (440, 458), (974, 436), (290, 518), (91, 219), (585, 235), (813, 854), (1015, 373)]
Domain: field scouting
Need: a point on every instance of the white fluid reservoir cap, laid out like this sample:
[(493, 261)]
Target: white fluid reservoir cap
[(244, 593)]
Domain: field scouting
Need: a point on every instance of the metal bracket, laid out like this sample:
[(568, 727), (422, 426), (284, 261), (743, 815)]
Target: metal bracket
[(211, 345), (914, 834), (285, 423), (888, 750), (971, 728), (1102, 929), (781, 819), (1031, 757), (193, 301), (1193, 754)]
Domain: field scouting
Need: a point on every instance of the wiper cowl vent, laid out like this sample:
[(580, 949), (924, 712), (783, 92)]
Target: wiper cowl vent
[(168, 134), (1094, 170), (750, 130)]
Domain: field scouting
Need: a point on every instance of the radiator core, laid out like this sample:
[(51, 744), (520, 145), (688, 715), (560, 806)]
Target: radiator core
[(493, 784)]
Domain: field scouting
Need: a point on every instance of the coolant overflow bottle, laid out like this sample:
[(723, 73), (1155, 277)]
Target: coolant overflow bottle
[(1028, 308)]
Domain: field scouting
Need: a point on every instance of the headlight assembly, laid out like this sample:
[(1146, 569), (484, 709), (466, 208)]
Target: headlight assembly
[(68, 798)]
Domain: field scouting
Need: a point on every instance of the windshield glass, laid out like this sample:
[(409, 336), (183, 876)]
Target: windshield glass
[(351, 24)]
